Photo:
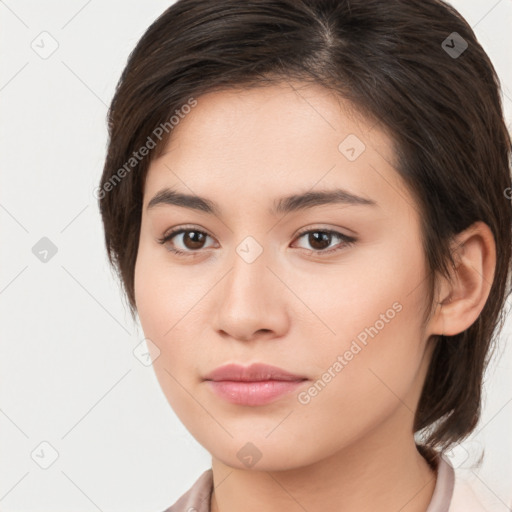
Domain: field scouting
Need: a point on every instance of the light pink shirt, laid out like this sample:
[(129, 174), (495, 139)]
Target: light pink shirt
[(450, 494)]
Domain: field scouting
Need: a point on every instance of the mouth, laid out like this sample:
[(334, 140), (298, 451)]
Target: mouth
[(257, 384), (256, 372)]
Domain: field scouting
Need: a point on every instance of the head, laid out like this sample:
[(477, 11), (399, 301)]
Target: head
[(259, 103)]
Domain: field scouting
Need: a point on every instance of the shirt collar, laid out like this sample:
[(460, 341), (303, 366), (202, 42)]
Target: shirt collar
[(445, 482)]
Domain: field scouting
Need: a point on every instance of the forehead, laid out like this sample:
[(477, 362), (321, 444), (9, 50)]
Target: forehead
[(253, 145)]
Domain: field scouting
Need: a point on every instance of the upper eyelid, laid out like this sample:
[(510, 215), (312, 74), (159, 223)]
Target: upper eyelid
[(181, 229)]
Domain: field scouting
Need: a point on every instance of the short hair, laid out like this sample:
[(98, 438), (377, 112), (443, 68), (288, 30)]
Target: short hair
[(414, 67)]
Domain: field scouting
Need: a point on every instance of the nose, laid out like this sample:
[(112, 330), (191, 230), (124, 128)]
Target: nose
[(252, 301)]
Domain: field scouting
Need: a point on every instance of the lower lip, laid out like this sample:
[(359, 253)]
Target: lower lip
[(253, 393)]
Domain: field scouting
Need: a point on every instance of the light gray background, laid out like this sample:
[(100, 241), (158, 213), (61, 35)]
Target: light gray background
[(68, 373)]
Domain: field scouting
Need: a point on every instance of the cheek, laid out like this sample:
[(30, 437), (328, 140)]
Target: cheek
[(152, 296), (169, 301), (160, 289), (375, 354), (162, 310), (377, 290)]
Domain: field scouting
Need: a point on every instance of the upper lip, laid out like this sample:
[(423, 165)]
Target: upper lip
[(254, 372)]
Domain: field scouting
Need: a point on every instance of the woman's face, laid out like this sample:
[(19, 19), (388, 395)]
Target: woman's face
[(340, 306)]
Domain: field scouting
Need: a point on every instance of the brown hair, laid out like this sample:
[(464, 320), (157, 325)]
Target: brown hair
[(416, 68)]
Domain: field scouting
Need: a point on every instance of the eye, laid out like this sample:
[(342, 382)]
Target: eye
[(320, 239), (193, 240)]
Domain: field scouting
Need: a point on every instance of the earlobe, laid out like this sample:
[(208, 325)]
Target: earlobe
[(463, 296)]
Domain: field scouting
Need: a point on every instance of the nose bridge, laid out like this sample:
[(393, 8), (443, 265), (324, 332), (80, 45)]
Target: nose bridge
[(250, 250), (249, 267), (248, 301)]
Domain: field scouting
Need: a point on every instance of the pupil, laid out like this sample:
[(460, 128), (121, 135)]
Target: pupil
[(190, 235), (322, 236)]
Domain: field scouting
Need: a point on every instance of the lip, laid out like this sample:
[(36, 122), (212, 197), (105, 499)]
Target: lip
[(253, 373), (257, 384)]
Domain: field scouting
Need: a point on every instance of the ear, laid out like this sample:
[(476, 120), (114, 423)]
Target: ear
[(462, 297)]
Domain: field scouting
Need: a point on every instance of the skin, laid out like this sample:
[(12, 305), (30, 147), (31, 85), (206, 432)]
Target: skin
[(351, 446)]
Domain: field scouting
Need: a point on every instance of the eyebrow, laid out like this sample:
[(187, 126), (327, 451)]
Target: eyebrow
[(287, 204)]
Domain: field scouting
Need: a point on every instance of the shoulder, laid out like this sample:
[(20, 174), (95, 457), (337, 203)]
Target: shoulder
[(197, 498), (453, 493), (465, 499)]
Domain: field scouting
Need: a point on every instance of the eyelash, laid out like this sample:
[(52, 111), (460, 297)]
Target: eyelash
[(347, 240)]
